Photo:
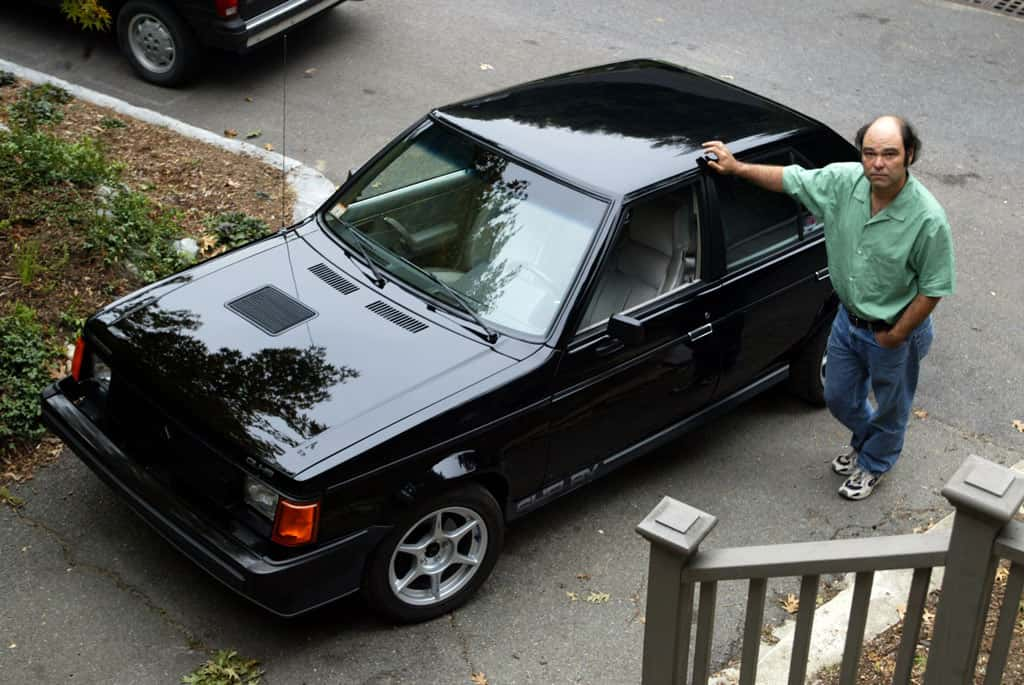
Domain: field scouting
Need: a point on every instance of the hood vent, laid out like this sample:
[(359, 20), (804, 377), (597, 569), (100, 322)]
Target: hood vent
[(396, 317), (334, 279), (271, 310)]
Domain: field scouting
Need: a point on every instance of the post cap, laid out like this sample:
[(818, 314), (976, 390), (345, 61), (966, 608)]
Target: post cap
[(676, 525), (986, 488)]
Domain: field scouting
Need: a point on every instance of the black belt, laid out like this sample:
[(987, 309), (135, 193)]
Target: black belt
[(873, 325)]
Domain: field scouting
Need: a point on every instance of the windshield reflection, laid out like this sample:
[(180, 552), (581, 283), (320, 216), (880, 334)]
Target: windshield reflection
[(507, 239)]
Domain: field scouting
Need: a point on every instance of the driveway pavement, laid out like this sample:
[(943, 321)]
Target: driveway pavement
[(95, 597)]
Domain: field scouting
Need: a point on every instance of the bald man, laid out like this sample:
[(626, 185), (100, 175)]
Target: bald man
[(890, 258)]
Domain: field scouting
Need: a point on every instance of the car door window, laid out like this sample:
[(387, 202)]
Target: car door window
[(758, 223), (657, 251)]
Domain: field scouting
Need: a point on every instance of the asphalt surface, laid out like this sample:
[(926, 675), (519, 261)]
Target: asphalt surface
[(94, 597)]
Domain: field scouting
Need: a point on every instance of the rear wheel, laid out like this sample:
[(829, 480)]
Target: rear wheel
[(437, 556), (807, 370), (159, 44)]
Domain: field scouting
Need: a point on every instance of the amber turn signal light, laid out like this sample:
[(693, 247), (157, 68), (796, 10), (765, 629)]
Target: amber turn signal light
[(76, 361), (295, 524)]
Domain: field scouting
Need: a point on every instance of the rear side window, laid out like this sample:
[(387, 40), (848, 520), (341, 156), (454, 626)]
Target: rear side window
[(758, 223)]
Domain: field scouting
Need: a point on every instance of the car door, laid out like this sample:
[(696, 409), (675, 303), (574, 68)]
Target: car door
[(612, 396), (774, 274)]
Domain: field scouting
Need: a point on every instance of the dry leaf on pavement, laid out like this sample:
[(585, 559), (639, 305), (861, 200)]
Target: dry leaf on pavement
[(268, 147), (921, 413), (791, 604), (230, 133), (572, 596), (598, 597), (478, 678), (582, 576), (486, 67), (1019, 425)]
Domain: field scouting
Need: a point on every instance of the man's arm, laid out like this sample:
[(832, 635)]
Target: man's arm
[(916, 312), (767, 176)]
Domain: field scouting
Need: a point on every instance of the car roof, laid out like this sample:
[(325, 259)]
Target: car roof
[(622, 127)]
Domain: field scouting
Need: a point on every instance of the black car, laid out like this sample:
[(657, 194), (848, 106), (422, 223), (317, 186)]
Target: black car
[(521, 293), (164, 39)]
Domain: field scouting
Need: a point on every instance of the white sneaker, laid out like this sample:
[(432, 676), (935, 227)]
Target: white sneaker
[(860, 485), (845, 464)]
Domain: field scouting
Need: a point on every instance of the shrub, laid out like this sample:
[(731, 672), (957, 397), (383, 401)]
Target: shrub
[(35, 159), (24, 357), (38, 105), (137, 233), (236, 228)]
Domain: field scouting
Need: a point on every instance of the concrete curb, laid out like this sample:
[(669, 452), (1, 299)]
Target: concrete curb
[(889, 593), (310, 186)]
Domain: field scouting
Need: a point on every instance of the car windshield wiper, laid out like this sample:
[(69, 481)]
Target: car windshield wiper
[(361, 241), (489, 335)]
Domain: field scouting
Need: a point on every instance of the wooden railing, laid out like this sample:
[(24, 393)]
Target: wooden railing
[(985, 496)]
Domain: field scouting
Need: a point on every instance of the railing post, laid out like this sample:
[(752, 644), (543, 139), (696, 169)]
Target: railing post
[(985, 496), (675, 530)]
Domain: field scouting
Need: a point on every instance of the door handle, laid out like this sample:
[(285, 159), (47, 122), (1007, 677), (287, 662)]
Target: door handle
[(821, 274), (698, 333)]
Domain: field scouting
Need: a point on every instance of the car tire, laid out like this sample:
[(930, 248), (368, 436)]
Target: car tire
[(159, 44), (807, 370), (421, 553)]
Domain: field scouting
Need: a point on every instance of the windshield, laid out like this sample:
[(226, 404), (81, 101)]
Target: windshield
[(506, 239)]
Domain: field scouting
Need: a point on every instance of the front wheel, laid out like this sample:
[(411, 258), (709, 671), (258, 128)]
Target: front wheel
[(437, 556), (159, 44), (807, 370)]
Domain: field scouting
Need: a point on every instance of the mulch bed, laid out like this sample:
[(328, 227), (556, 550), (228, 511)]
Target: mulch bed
[(197, 178)]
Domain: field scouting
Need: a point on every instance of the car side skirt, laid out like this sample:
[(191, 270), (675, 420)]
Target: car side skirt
[(597, 469)]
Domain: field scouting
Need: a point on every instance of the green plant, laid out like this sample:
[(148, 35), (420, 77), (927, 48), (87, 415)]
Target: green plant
[(38, 105), (236, 228), (35, 159), (26, 261), (24, 358), (89, 14), (7, 78), (137, 233), (111, 122), (226, 668)]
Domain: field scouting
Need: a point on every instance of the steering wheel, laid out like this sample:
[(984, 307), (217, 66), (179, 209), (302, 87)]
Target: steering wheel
[(404, 237)]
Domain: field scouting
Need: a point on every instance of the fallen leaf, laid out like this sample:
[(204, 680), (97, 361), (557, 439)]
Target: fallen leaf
[(921, 413), (486, 67), (248, 99), (928, 617), (1019, 425), (598, 597), (582, 576), (321, 165), (308, 73), (255, 133), (230, 183), (268, 147), (478, 679), (791, 604), (901, 610), (230, 132), (1002, 573), (572, 596)]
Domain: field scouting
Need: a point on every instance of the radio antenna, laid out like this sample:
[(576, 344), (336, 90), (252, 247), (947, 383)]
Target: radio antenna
[(284, 127)]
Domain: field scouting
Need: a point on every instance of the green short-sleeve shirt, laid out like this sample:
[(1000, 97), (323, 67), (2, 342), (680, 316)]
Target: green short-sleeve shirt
[(878, 264)]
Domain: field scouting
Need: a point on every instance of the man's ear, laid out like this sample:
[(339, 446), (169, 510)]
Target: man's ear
[(911, 153)]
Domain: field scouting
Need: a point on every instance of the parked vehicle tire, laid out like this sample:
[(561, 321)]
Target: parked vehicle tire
[(159, 44), (807, 370), (437, 556)]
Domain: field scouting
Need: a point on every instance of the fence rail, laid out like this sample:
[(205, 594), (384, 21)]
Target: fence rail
[(985, 497)]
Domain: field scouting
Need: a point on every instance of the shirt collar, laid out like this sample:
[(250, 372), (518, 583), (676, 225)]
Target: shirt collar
[(897, 209)]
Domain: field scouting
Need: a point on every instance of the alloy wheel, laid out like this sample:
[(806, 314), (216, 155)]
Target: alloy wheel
[(151, 43), (438, 556)]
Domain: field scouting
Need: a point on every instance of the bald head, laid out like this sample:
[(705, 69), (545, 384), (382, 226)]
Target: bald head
[(889, 125)]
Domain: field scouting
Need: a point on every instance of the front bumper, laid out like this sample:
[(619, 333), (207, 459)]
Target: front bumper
[(241, 34), (284, 587)]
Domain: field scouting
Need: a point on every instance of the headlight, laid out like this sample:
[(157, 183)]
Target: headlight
[(260, 497)]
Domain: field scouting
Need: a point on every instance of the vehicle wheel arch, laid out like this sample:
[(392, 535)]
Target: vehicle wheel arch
[(455, 470)]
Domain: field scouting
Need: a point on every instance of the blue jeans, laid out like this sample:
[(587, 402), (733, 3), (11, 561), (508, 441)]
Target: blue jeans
[(856, 364)]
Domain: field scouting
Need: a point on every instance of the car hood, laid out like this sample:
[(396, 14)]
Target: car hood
[(281, 346)]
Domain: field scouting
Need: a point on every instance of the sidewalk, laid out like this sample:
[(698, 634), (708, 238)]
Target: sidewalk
[(889, 593)]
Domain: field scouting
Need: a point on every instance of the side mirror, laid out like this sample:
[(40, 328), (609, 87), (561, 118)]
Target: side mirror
[(627, 329)]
